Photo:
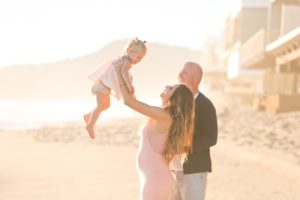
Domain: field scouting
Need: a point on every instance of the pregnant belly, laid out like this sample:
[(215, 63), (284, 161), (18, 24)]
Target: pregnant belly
[(152, 165), (155, 177)]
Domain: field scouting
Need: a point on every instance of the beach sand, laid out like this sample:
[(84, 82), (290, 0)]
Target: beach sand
[(256, 158)]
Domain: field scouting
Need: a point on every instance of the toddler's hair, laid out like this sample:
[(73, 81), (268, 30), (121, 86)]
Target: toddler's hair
[(135, 44)]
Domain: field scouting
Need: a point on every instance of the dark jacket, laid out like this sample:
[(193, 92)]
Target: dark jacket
[(205, 136)]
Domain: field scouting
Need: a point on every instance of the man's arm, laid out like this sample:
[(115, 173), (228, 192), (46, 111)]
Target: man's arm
[(208, 129)]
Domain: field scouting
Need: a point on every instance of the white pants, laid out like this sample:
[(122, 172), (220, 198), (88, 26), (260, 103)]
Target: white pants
[(189, 186)]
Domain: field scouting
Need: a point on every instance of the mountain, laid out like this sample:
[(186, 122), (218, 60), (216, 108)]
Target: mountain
[(67, 79)]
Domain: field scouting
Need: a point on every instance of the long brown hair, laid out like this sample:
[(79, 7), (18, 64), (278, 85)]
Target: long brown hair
[(181, 130)]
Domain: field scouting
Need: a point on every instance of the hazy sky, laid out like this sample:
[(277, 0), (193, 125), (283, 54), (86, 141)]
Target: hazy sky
[(36, 31)]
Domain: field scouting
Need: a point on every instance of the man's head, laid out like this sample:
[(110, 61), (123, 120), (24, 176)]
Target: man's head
[(191, 75)]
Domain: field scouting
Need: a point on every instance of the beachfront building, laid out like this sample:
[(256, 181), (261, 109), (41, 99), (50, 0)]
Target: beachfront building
[(272, 48), (276, 50), (246, 19), (282, 82)]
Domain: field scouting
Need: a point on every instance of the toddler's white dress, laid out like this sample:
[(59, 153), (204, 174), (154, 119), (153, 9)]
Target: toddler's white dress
[(106, 74)]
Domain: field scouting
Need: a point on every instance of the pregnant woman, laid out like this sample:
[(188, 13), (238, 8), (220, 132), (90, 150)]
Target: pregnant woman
[(167, 134)]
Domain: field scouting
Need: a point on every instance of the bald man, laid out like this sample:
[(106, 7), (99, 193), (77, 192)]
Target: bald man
[(191, 177)]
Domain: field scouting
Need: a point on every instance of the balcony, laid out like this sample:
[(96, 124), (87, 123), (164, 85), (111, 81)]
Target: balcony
[(252, 52), (287, 2), (282, 83)]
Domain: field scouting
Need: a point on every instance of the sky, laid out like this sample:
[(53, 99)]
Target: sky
[(39, 31)]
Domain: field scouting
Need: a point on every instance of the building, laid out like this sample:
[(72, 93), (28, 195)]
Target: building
[(264, 37)]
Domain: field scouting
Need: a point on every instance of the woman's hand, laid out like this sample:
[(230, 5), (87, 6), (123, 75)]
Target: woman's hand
[(131, 89)]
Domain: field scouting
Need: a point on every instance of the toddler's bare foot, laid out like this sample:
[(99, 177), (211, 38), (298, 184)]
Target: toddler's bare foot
[(87, 118), (90, 129)]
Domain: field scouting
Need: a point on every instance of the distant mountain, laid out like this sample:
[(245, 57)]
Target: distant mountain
[(67, 79)]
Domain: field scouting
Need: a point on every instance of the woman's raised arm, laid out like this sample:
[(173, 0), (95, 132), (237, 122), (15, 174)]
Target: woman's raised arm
[(153, 112)]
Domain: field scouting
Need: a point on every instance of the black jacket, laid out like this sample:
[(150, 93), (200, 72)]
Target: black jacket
[(205, 136)]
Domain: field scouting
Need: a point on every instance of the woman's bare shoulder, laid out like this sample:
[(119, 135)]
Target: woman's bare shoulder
[(162, 125)]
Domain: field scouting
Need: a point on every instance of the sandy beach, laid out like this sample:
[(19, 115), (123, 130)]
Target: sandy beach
[(256, 158), (244, 56)]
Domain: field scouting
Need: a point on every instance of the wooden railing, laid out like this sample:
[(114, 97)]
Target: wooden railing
[(282, 83)]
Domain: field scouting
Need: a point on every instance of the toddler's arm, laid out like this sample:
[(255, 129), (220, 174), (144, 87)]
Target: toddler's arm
[(125, 74)]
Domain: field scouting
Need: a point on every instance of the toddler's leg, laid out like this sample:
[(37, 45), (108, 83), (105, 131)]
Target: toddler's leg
[(103, 103)]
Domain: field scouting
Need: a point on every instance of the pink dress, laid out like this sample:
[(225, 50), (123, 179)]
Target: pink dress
[(156, 181), (107, 75)]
